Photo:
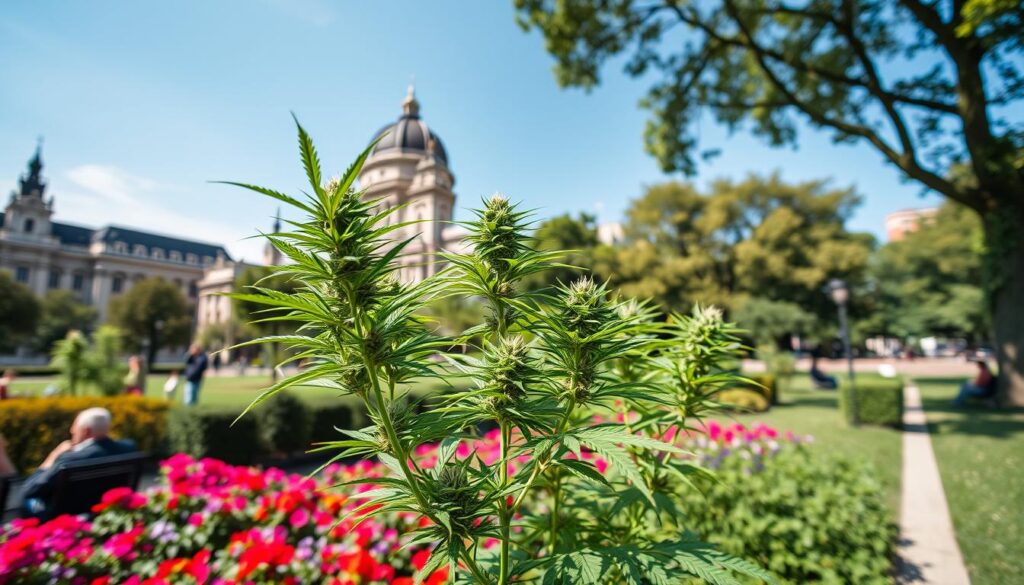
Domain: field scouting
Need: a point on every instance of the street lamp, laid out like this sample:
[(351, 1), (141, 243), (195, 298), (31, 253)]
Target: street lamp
[(840, 293)]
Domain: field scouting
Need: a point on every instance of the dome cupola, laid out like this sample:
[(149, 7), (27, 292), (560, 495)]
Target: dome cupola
[(410, 134)]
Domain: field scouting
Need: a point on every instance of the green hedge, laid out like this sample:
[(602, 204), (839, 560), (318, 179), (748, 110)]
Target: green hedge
[(807, 516), (284, 424), (203, 431), (879, 401), (756, 397)]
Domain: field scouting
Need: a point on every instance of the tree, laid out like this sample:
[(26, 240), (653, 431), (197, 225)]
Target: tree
[(263, 278), (577, 235), (152, 314), (19, 312), (927, 84), (61, 312), (927, 283), (104, 360), (769, 322), (760, 237)]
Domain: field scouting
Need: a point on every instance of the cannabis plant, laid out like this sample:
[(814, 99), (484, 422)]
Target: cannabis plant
[(571, 378)]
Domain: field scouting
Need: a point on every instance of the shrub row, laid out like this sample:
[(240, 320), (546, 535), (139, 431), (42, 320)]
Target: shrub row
[(34, 426), (280, 426), (806, 516), (878, 401)]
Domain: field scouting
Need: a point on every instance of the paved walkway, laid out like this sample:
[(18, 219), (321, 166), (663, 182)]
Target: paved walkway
[(928, 549)]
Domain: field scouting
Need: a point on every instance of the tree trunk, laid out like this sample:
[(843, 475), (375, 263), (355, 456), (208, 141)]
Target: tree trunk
[(1007, 256)]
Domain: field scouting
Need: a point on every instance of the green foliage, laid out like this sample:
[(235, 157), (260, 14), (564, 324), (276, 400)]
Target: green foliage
[(284, 424), (208, 432), (878, 401), (768, 322), (19, 312), (565, 232), (70, 357), (807, 517), (761, 241), (34, 426), (545, 364), (61, 312), (106, 369), (153, 310), (929, 283)]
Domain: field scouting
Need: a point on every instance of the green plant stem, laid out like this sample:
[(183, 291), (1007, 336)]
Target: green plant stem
[(504, 516), (556, 494), (474, 568), (540, 467)]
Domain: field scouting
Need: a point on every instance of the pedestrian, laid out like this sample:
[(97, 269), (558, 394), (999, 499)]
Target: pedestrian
[(983, 386), (133, 379), (5, 383), (195, 366)]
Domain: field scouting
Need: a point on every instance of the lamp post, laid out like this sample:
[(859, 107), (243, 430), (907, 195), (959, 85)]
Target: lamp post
[(840, 294)]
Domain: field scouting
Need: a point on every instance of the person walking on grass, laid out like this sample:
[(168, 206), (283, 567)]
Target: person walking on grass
[(196, 363)]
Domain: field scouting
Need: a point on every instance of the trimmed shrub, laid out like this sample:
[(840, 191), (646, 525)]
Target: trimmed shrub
[(34, 426), (328, 417), (208, 432), (879, 401), (283, 422), (756, 397), (805, 516)]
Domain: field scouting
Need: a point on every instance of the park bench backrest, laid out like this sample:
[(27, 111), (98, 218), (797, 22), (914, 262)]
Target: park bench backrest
[(80, 485)]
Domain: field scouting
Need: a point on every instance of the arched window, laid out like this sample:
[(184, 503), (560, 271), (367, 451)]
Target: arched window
[(175, 256), (191, 258), (121, 247), (158, 253), (139, 250)]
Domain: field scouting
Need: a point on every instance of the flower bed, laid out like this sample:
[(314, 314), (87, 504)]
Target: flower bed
[(208, 522)]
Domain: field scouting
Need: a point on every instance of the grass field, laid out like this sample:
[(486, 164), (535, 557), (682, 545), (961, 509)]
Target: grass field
[(980, 452)]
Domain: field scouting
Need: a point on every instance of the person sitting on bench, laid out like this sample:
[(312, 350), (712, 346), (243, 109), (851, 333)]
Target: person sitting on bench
[(821, 380), (89, 440), (983, 386)]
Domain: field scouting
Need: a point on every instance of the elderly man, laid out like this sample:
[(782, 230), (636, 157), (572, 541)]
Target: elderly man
[(89, 440)]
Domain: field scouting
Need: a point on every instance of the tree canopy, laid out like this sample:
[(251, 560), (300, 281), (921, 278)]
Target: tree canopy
[(760, 237), (61, 312), (931, 86), (154, 313), (19, 312)]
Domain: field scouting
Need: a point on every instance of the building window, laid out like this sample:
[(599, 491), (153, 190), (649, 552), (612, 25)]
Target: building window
[(158, 254), (117, 284), (22, 274), (30, 224), (121, 247), (175, 256), (54, 278), (139, 250), (77, 281), (193, 289), (207, 260), (191, 259)]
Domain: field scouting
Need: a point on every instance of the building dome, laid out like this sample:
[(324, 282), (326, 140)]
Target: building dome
[(410, 134)]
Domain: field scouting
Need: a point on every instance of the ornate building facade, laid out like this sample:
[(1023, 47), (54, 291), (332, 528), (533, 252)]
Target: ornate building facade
[(97, 265), (408, 167)]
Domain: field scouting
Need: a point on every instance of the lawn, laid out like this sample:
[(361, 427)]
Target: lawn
[(226, 391), (806, 411), (980, 452)]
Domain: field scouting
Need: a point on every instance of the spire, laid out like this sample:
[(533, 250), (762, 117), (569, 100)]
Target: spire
[(32, 183), (411, 107), (277, 221), (271, 255)]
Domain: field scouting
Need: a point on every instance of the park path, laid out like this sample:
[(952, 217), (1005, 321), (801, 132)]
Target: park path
[(928, 551)]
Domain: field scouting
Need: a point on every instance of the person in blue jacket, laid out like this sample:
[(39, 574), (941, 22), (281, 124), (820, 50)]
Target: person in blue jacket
[(196, 363), (89, 440)]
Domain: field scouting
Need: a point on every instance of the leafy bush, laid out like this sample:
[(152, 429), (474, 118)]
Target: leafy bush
[(327, 418), (805, 516), (34, 426), (745, 399), (284, 424), (208, 432), (879, 401)]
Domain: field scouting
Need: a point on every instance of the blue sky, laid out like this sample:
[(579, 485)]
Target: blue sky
[(142, 103)]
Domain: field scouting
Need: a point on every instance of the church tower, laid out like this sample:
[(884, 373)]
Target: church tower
[(27, 213), (271, 255), (409, 166)]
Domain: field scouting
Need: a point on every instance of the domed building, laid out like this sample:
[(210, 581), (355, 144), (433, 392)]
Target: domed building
[(409, 167)]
